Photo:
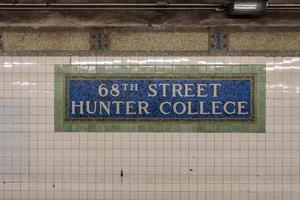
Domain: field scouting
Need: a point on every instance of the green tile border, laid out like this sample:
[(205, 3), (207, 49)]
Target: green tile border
[(259, 126)]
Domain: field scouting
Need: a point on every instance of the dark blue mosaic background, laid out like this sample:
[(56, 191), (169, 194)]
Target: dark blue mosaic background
[(87, 90)]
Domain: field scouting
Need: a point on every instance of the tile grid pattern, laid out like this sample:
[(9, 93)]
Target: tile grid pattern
[(156, 165)]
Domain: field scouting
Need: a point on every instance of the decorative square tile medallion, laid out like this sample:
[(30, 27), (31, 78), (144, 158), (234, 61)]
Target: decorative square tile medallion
[(175, 99)]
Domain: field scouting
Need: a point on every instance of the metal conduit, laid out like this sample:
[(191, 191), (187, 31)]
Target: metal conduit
[(282, 6), (108, 6), (132, 6)]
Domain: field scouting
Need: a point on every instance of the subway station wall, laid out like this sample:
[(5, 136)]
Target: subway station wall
[(38, 162)]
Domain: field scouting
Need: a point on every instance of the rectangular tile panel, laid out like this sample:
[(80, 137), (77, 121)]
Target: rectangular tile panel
[(225, 99), (264, 41), (46, 41), (14, 139), (158, 41)]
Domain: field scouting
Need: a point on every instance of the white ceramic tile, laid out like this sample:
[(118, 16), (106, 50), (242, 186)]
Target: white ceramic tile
[(155, 165)]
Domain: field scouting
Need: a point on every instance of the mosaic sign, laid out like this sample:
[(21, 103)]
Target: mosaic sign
[(171, 98), (100, 101)]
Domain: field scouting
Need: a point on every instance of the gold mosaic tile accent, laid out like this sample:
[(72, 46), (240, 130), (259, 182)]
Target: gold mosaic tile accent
[(158, 41), (263, 41), (46, 41)]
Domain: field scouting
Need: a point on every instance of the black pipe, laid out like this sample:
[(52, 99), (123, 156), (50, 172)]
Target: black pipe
[(280, 6), (108, 6), (130, 6)]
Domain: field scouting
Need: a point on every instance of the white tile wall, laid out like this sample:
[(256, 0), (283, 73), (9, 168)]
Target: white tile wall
[(169, 166), (14, 137)]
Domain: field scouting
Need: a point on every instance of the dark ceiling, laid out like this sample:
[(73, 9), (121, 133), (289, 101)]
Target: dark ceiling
[(142, 18), (134, 1)]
